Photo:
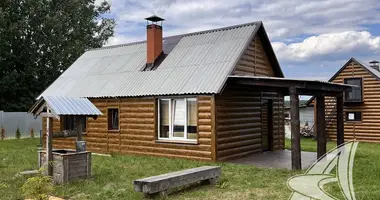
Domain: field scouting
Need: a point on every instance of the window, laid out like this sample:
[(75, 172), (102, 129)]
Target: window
[(69, 123), (177, 119), (356, 93), (113, 118), (353, 116)]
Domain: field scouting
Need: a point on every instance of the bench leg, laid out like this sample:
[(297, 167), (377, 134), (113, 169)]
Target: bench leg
[(163, 194), (213, 181)]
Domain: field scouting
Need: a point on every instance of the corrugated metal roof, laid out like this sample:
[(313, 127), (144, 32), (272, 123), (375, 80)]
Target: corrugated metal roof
[(71, 105), (369, 68), (199, 63)]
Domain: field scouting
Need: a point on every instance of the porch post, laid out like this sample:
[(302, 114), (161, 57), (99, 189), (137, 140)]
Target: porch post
[(295, 129), (339, 120), (49, 145), (321, 126)]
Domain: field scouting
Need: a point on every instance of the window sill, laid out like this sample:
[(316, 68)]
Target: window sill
[(353, 102), (177, 141)]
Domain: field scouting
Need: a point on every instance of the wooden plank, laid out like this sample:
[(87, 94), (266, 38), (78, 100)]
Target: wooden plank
[(339, 119), (295, 129), (49, 146), (214, 137), (321, 134)]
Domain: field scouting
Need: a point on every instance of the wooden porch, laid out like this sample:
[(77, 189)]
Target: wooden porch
[(280, 159), (294, 88)]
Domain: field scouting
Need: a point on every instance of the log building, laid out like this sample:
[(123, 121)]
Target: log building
[(209, 95), (361, 105)]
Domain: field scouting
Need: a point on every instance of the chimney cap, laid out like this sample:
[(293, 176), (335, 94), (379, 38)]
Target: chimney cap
[(374, 62), (154, 18)]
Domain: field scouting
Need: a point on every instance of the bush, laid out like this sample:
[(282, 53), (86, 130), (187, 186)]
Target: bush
[(18, 134), (2, 134), (32, 133), (38, 187)]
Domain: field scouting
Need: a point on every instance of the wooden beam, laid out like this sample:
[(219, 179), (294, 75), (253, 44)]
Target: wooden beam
[(321, 126), (78, 123), (295, 129), (214, 137), (339, 119), (289, 83), (49, 145)]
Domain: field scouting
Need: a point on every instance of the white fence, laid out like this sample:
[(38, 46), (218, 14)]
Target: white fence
[(24, 121)]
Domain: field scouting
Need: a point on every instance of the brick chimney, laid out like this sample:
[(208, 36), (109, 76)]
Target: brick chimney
[(154, 39)]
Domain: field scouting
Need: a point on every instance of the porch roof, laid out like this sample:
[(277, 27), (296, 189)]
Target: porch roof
[(304, 87)]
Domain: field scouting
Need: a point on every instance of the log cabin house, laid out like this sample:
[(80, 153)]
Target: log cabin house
[(210, 95), (361, 105)]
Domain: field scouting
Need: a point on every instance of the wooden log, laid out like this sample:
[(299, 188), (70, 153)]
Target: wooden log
[(295, 129), (339, 119), (65, 133), (321, 124)]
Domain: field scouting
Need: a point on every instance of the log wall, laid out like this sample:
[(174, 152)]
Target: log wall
[(137, 134), (238, 121), (254, 61), (368, 129)]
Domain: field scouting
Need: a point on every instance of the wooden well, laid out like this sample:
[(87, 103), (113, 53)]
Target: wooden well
[(68, 165)]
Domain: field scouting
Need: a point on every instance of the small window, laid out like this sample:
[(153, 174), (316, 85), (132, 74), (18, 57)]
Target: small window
[(177, 119), (353, 116), (113, 119), (69, 123), (355, 95)]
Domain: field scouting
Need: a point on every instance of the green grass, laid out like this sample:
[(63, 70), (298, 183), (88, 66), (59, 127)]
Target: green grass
[(113, 176)]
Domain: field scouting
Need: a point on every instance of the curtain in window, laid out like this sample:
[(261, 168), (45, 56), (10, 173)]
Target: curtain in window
[(164, 119), (192, 119), (179, 111), (113, 119)]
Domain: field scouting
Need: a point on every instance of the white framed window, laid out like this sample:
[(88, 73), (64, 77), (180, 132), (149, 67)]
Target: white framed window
[(177, 119)]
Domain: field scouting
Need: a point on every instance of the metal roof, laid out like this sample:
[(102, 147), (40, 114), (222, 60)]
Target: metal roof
[(197, 63), (60, 105)]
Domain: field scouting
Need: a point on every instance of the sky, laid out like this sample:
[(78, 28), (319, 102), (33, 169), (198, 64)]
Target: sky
[(312, 39)]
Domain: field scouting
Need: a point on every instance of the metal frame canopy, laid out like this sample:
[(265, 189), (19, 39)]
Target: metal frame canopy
[(294, 88), (56, 106)]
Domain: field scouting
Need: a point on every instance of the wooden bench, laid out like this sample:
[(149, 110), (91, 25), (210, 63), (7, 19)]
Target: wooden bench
[(162, 183)]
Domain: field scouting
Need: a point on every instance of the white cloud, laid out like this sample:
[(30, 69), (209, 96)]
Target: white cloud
[(123, 39), (282, 19), (315, 47), (335, 30)]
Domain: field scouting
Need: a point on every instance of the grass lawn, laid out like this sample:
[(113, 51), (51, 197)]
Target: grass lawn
[(113, 176)]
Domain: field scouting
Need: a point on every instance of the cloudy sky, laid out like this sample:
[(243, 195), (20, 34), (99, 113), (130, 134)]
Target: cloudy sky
[(312, 39)]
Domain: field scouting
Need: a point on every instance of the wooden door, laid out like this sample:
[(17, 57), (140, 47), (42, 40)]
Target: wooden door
[(267, 125)]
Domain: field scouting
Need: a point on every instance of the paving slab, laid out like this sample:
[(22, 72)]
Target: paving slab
[(280, 159)]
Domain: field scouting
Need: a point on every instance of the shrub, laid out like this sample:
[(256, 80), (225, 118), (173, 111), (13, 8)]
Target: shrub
[(32, 133), (38, 187), (18, 134), (2, 134)]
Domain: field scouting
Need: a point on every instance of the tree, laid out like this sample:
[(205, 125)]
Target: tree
[(39, 39)]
